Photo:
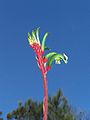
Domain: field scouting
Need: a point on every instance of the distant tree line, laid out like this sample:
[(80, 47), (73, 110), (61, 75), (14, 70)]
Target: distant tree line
[(59, 109)]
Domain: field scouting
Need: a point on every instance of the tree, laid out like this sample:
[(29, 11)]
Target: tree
[(58, 106), (1, 115), (81, 114)]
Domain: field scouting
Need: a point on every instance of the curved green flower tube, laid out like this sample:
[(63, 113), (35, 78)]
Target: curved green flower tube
[(58, 58), (50, 54), (44, 40), (37, 34)]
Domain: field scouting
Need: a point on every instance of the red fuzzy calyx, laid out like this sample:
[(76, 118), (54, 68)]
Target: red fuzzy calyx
[(35, 46), (48, 68), (42, 52), (45, 60)]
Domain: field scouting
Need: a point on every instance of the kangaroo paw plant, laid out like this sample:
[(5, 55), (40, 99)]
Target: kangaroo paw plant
[(44, 61)]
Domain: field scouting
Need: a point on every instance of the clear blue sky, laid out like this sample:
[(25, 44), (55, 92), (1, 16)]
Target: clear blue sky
[(68, 22)]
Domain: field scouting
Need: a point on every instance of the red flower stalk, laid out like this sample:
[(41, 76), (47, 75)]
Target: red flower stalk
[(44, 62)]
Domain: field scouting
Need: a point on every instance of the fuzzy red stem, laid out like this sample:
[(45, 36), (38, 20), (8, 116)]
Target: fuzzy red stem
[(45, 97), (41, 62)]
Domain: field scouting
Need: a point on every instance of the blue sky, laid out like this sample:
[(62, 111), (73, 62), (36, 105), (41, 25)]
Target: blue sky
[(69, 25)]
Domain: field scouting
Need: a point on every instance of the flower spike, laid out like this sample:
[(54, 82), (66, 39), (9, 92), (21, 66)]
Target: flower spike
[(44, 62)]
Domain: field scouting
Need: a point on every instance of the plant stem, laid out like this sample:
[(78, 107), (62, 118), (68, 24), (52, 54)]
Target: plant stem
[(45, 97)]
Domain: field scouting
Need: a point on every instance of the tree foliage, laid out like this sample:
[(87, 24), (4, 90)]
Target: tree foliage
[(1, 115), (59, 109)]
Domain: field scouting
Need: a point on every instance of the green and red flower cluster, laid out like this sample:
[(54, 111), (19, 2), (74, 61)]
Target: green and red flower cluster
[(44, 61)]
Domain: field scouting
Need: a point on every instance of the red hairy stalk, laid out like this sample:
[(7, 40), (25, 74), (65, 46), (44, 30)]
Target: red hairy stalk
[(41, 61), (45, 98)]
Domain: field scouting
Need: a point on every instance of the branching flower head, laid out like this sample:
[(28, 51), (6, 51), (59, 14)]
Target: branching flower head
[(44, 60)]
